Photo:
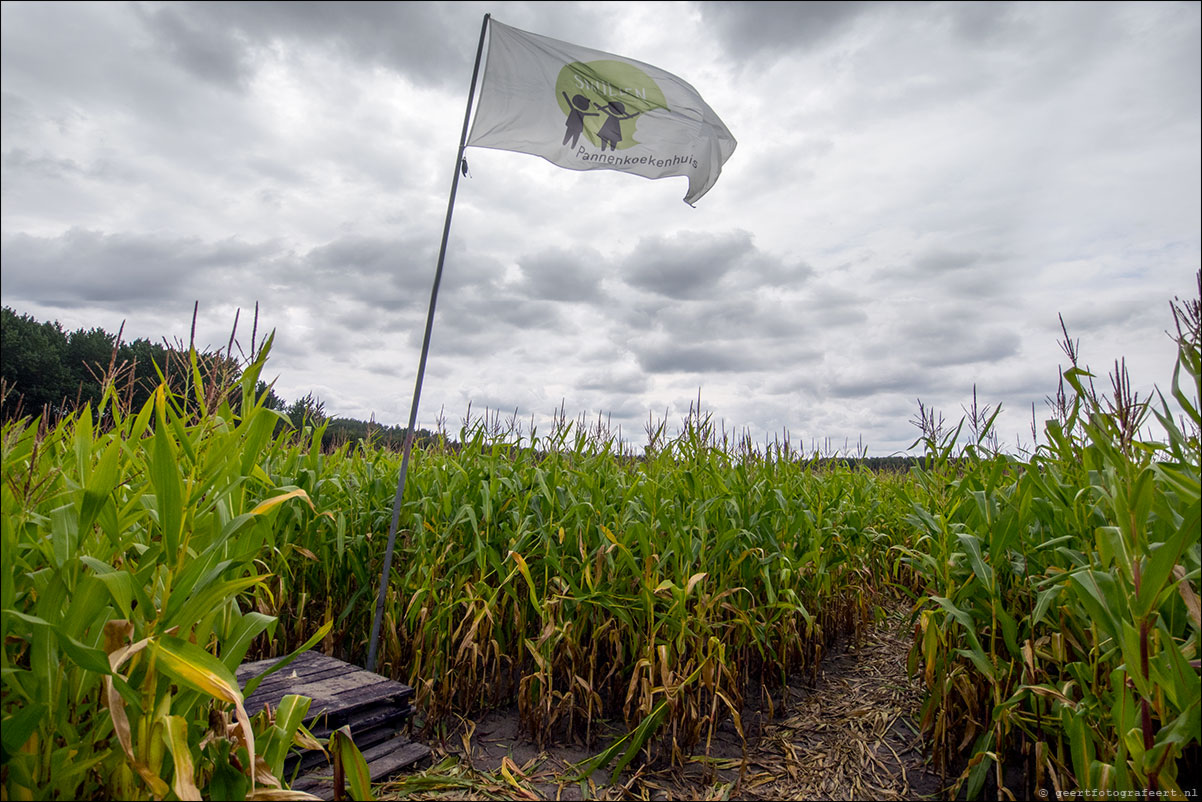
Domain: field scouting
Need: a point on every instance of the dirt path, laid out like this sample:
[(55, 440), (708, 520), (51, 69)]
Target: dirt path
[(851, 735)]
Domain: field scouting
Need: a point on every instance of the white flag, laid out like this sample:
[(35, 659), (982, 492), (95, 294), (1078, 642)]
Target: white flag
[(588, 110)]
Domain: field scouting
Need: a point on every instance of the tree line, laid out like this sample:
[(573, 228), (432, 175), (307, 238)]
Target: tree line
[(48, 371)]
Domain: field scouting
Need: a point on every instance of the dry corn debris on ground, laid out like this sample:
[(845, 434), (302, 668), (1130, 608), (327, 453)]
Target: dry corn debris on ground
[(850, 735)]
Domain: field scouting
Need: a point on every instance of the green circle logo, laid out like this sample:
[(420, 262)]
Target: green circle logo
[(603, 100)]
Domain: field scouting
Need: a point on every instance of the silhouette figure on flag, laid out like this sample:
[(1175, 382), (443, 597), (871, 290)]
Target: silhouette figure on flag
[(579, 105), (611, 130)]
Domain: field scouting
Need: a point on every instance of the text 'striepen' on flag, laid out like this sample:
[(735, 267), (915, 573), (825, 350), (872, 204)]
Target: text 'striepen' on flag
[(588, 110)]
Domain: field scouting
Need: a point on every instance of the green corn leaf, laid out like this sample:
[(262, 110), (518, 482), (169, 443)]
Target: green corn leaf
[(199, 571), (1164, 556), (235, 645), (120, 585), (291, 713), (1009, 629), (978, 658), (207, 598), (983, 757), (972, 545), (1080, 742), (349, 765), (227, 782), (164, 476), (1095, 592), (966, 623), (87, 609), (192, 666), (1131, 656), (289, 716), (67, 764), (1140, 501), (82, 655), (1112, 548), (1042, 602), (627, 746), (18, 727), (1180, 674), (82, 442), (100, 484), (309, 644), (175, 736), (1182, 730), (642, 733), (64, 534)]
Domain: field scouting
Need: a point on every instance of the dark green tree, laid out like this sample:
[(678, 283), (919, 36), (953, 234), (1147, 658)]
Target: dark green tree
[(272, 401), (44, 368), (306, 411), (31, 362), (86, 360)]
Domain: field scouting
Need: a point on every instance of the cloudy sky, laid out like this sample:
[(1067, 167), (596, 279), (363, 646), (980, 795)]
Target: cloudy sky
[(919, 190)]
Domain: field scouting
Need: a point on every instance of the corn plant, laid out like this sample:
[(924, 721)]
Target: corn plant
[(1062, 624), (131, 555), (565, 575)]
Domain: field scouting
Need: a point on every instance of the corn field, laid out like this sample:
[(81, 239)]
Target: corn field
[(148, 552)]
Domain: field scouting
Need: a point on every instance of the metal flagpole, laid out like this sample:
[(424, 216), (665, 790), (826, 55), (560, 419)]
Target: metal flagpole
[(421, 368)]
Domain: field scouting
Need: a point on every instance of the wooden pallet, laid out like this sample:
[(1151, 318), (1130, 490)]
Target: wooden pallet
[(375, 707)]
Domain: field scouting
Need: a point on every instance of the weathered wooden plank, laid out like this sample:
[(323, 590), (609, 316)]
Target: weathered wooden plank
[(336, 695), (274, 689), (387, 759), (291, 673), (305, 662), (334, 686), (322, 690), (383, 761), (375, 707), (312, 783), (367, 731), (367, 720), (304, 668)]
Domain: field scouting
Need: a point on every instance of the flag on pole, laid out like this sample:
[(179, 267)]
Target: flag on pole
[(585, 109)]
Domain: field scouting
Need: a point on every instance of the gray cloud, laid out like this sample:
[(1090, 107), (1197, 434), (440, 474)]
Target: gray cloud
[(682, 349), (214, 53), (985, 22), (485, 323), (685, 265), (826, 306), (395, 274), (738, 318), (875, 380), (21, 160), (618, 380), (673, 357), (383, 271), (83, 266), (946, 336), (751, 29), (428, 42), (919, 189), (692, 264), (941, 261), (557, 274), (377, 256), (986, 345), (1143, 310)]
